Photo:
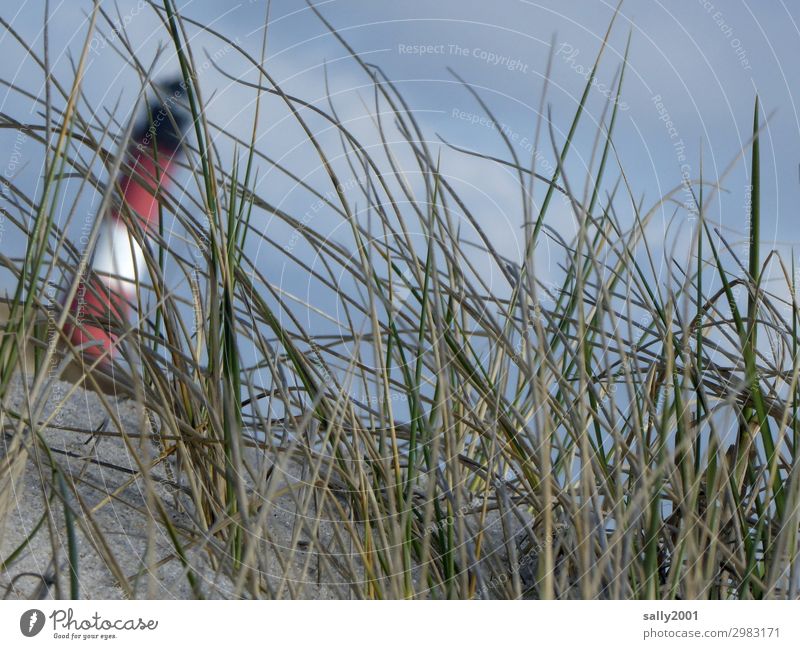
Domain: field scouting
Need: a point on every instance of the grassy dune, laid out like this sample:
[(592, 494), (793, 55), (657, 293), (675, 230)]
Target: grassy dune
[(612, 437)]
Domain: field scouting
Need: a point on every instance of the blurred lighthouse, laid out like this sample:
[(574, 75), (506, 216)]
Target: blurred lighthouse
[(108, 291)]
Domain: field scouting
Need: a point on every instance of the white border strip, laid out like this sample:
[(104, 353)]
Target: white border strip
[(406, 625)]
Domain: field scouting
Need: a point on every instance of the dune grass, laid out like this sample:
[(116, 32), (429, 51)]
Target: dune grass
[(618, 436)]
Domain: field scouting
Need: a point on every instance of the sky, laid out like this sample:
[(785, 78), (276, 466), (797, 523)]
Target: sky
[(693, 71)]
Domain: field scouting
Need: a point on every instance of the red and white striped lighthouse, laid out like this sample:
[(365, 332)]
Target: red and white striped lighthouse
[(109, 289)]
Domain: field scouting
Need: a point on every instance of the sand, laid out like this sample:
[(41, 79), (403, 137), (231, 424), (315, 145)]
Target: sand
[(103, 465)]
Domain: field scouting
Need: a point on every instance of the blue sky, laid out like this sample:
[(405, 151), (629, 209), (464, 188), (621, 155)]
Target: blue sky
[(699, 63)]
